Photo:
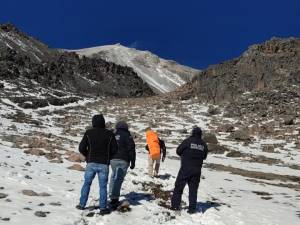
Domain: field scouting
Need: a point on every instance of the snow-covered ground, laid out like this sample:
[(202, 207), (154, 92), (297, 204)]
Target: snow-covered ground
[(162, 75), (224, 197)]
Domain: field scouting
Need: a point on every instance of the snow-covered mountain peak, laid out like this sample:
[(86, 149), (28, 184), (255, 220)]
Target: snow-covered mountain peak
[(161, 74)]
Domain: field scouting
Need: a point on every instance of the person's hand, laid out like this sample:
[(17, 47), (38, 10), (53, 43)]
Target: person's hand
[(132, 166)]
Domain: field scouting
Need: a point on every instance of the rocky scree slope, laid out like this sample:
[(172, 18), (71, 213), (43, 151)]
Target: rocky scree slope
[(162, 75), (28, 63), (42, 173), (260, 90)]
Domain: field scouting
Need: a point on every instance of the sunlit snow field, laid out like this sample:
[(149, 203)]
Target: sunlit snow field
[(224, 197)]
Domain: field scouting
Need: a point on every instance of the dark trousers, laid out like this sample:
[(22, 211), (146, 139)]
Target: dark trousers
[(183, 178)]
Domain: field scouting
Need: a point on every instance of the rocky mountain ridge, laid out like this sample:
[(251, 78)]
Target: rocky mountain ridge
[(272, 65), (12, 38), (27, 63)]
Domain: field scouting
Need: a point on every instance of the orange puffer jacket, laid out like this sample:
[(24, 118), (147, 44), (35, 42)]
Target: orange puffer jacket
[(153, 144)]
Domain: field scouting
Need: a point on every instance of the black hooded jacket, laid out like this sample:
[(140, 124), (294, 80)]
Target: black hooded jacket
[(126, 145), (98, 144), (192, 151)]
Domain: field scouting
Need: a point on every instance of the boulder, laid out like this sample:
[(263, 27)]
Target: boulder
[(265, 160), (52, 155), (226, 128), (36, 152), (289, 120), (2, 195), (76, 167), (44, 194), (185, 96), (268, 148), (210, 138), (213, 110), (55, 204), (27, 164), (76, 157), (217, 149), (166, 101), (56, 161), (240, 135), (37, 143), (234, 154), (33, 193), (183, 131), (29, 193), (41, 214)]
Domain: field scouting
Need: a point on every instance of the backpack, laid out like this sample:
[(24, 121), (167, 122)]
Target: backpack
[(153, 144), (162, 144)]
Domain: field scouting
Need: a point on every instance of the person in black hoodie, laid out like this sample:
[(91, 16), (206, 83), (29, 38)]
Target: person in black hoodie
[(98, 145), (192, 152), (120, 162)]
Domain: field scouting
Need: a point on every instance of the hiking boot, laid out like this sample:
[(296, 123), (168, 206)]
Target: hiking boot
[(192, 211), (80, 207), (176, 210), (104, 211), (114, 203)]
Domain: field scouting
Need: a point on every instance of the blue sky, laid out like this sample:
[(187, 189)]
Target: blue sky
[(197, 33)]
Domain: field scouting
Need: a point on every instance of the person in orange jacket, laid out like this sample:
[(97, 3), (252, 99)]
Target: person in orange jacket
[(155, 147)]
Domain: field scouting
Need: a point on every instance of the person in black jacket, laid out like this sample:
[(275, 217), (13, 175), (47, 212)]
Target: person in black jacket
[(120, 162), (192, 152), (98, 145)]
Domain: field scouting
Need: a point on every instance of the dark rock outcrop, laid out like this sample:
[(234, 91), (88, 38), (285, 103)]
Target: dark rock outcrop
[(268, 66), (263, 82)]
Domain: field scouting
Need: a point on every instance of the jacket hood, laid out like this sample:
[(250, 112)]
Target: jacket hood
[(98, 121), (122, 125), (197, 132)]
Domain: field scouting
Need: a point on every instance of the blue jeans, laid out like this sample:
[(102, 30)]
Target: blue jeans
[(90, 172), (119, 169)]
